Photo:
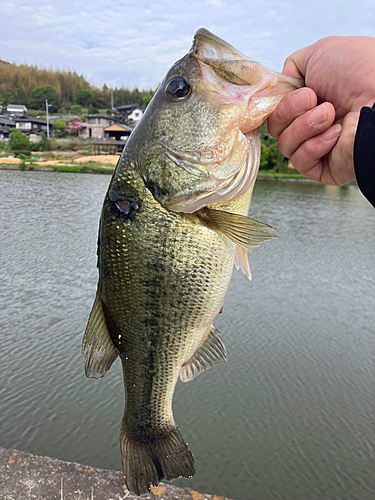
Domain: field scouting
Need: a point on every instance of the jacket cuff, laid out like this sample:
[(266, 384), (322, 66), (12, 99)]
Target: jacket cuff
[(364, 153)]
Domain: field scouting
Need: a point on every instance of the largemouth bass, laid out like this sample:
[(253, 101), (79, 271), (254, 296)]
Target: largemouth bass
[(174, 223)]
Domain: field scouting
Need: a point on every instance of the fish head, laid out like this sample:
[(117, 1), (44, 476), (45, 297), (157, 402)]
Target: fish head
[(198, 140)]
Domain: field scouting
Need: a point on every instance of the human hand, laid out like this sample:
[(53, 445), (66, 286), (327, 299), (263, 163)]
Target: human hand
[(316, 126)]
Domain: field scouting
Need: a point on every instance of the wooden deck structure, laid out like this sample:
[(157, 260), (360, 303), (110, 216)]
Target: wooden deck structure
[(107, 147)]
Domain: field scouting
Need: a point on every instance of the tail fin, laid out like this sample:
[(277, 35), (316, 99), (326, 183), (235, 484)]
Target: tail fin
[(146, 462)]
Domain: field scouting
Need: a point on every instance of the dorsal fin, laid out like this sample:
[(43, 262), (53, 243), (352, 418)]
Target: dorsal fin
[(210, 352), (97, 345)]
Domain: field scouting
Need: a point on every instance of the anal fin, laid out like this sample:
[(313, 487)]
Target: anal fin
[(97, 345), (210, 352)]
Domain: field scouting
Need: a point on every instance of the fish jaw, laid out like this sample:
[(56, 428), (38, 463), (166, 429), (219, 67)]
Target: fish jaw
[(240, 80)]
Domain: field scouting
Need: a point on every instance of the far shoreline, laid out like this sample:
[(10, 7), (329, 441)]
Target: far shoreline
[(101, 169)]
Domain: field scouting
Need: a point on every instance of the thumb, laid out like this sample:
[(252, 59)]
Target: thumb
[(296, 63)]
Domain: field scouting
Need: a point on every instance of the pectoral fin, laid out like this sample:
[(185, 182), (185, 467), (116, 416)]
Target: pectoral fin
[(243, 231), (246, 233), (97, 345), (210, 352)]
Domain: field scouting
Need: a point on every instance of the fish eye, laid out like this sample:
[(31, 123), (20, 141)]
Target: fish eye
[(177, 89)]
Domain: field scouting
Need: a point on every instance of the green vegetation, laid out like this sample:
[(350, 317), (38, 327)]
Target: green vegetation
[(275, 175), (37, 98), (18, 142), (59, 128), (31, 85), (76, 110)]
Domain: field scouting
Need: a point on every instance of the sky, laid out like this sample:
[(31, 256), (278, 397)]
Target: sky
[(133, 43)]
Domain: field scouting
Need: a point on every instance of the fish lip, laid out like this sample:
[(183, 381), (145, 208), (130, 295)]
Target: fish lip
[(205, 42)]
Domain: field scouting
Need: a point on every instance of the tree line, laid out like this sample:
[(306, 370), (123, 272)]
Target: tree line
[(32, 85)]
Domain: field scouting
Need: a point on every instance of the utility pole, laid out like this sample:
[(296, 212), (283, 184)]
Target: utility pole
[(47, 119), (111, 99)]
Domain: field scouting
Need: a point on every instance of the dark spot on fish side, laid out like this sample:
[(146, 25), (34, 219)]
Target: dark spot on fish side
[(125, 207), (155, 188)]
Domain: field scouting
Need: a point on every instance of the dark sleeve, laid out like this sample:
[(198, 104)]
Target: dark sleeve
[(364, 153)]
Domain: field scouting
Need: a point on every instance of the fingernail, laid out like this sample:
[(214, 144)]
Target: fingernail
[(332, 133), (301, 101), (318, 115)]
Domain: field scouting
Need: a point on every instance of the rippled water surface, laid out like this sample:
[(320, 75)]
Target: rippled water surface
[(289, 416)]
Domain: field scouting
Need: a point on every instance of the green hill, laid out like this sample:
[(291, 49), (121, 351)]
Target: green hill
[(31, 85)]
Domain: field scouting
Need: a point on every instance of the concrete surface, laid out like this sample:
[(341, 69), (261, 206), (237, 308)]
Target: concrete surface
[(24, 476)]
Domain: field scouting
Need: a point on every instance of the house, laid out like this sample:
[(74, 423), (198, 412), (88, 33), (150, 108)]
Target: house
[(94, 126), (132, 111), (16, 109), (33, 127), (117, 131), (6, 126), (29, 125)]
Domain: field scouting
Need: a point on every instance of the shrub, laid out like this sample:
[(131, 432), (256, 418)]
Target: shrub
[(76, 110), (44, 143), (19, 142)]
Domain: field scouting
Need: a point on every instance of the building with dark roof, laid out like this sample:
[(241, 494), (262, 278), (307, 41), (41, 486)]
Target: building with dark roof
[(132, 111), (33, 127), (6, 125)]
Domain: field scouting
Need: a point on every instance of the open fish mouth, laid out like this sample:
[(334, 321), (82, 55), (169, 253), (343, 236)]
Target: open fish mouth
[(225, 60), (239, 79)]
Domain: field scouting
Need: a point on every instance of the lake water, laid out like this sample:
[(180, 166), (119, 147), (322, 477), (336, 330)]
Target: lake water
[(289, 416)]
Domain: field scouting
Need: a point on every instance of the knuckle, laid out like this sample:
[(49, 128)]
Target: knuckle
[(310, 149), (283, 144)]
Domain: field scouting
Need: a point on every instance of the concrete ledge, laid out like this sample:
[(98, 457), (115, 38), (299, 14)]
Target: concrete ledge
[(24, 476)]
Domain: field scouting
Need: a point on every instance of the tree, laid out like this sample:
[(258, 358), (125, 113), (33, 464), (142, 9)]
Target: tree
[(18, 141), (74, 125), (85, 97), (59, 127), (37, 98), (2, 101), (146, 99)]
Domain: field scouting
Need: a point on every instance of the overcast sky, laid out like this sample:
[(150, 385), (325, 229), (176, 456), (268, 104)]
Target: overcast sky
[(127, 42)]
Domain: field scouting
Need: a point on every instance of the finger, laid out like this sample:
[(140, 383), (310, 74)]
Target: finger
[(296, 63), (309, 124), (310, 159), (290, 107)]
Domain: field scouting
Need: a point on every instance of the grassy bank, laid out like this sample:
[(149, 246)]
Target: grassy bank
[(88, 168), (107, 166), (274, 175)]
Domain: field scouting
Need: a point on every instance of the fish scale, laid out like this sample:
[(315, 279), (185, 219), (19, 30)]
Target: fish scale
[(153, 319)]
